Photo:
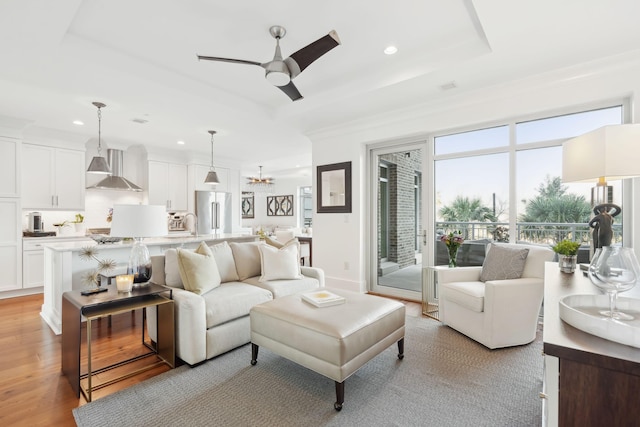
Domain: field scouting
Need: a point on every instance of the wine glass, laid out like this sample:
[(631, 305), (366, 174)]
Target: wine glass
[(614, 269)]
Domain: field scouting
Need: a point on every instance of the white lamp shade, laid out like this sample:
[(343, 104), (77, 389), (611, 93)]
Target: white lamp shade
[(609, 152), (139, 221)]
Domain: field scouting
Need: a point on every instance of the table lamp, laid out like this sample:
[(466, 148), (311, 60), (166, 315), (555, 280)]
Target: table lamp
[(138, 222), (607, 153)]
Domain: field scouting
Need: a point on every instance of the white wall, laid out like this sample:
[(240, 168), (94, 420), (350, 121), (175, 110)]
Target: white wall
[(340, 240), (283, 187)]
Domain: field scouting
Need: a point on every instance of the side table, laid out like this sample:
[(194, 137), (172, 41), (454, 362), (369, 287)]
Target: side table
[(430, 306), (76, 306)]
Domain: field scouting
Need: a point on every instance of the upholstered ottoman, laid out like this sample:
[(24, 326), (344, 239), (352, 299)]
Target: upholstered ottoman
[(333, 341)]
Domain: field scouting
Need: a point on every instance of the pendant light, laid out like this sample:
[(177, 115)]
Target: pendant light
[(212, 176), (99, 164)]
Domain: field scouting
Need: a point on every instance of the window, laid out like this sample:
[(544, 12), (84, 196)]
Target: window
[(306, 207), (568, 125), (383, 214), (474, 193), (472, 140)]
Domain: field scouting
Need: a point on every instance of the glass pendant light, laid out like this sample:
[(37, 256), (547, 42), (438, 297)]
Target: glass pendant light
[(99, 164), (212, 176)]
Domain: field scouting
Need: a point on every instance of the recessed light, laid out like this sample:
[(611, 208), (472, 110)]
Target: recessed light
[(78, 123), (390, 50), (180, 142)]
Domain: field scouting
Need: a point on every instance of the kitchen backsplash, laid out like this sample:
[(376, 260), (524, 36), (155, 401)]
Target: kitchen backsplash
[(97, 205)]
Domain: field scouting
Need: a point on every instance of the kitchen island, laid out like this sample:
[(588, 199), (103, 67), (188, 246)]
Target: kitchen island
[(65, 270)]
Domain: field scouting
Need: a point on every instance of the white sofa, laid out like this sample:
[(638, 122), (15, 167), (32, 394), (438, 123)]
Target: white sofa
[(217, 321), (496, 313)]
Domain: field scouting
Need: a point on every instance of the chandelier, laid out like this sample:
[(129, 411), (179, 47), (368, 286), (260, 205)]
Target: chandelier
[(260, 184)]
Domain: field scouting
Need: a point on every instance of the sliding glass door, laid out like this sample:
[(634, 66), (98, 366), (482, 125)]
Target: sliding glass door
[(396, 220)]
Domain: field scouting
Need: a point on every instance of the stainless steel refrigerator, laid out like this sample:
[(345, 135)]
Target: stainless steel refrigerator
[(213, 209)]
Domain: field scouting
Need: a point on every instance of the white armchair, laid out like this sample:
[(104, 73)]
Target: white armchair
[(496, 313)]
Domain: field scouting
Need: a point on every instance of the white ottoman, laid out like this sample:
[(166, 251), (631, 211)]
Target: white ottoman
[(333, 341)]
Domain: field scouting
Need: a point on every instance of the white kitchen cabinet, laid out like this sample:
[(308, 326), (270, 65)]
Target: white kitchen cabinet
[(201, 172), (168, 185), (9, 161), (52, 178), (10, 245), (32, 267)]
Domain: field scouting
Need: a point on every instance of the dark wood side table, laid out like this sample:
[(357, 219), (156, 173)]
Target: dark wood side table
[(76, 306), (308, 239), (597, 382)]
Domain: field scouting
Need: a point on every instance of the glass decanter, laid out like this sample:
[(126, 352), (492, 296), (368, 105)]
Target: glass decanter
[(614, 269)]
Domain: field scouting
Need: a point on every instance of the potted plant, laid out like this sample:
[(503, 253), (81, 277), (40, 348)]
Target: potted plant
[(567, 251), (79, 224)]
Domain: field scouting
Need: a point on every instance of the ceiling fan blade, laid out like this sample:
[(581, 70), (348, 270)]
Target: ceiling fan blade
[(292, 91), (235, 61), (305, 56)]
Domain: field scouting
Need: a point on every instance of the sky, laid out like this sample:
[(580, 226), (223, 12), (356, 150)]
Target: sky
[(482, 176)]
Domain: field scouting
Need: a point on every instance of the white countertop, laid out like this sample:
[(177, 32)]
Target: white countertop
[(55, 239), (64, 246)]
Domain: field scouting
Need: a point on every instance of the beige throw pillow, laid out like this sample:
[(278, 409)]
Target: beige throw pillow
[(273, 242), (280, 264), (503, 262), (171, 270), (247, 258), (198, 269), (224, 259), (277, 244)]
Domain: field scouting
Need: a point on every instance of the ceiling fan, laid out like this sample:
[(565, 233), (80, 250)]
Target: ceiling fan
[(281, 72)]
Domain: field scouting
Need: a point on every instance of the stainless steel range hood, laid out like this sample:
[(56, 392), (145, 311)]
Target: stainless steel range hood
[(116, 181)]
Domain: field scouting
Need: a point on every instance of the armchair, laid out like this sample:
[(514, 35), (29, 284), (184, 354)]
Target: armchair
[(496, 313)]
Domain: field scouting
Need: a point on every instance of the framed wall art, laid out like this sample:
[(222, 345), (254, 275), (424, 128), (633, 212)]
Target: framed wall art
[(334, 188), (280, 205), (248, 203)]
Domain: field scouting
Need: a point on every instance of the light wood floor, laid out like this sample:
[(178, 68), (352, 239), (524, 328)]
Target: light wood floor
[(32, 388)]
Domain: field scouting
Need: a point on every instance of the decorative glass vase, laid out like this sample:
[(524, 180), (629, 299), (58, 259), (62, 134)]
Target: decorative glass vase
[(614, 269), (453, 254), (567, 263), (139, 263)]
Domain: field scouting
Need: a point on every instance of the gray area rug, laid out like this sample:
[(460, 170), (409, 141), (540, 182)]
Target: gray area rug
[(445, 379)]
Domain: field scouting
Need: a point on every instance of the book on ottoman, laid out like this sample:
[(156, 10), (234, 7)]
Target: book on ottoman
[(323, 298)]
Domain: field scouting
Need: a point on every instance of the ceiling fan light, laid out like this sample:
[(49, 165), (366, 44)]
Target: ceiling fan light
[(212, 178), (278, 78), (99, 165)]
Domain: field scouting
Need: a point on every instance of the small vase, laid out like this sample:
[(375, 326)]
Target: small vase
[(567, 263), (453, 254)]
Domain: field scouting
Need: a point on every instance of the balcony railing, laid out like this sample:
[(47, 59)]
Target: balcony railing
[(547, 233)]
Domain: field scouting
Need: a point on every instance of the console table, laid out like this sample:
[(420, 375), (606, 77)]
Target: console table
[(588, 381), (76, 306), (309, 241)]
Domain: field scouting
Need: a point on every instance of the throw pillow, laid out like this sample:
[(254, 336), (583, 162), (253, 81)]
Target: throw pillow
[(503, 262), (277, 244), (224, 259), (198, 269), (247, 258), (280, 264), (171, 270), (273, 242)]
